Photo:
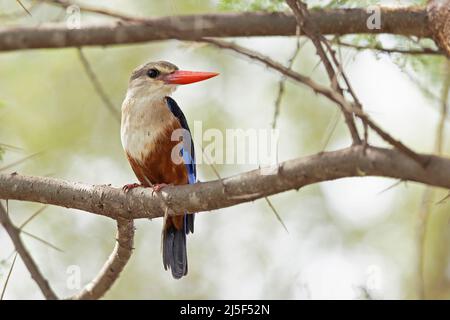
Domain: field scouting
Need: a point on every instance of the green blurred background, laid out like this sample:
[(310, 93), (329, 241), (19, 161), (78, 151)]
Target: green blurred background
[(347, 239)]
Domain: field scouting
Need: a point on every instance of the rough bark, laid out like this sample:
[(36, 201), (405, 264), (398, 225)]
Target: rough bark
[(410, 21), (439, 23), (293, 174)]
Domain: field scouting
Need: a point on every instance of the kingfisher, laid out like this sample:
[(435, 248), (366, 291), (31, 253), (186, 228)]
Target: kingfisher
[(150, 117)]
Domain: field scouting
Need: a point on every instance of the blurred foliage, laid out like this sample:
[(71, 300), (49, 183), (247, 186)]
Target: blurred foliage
[(363, 3), (252, 5), (49, 105), (280, 5), (426, 69)]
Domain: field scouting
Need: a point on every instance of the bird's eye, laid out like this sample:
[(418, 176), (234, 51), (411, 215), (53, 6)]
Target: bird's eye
[(152, 73)]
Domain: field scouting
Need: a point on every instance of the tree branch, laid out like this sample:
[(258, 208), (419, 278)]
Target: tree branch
[(422, 51), (97, 85), (329, 93), (411, 21), (293, 174), (331, 64), (113, 266), (14, 234)]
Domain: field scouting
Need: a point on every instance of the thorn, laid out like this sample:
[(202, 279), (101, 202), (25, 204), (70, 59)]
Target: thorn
[(41, 240), (34, 215), (24, 8), (10, 147), (276, 213), (443, 199), (8, 276), (19, 162), (390, 187), (332, 125), (216, 172)]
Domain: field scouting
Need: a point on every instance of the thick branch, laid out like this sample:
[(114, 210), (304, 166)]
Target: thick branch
[(410, 21), (294, 174), (14, 234), (113, 266)]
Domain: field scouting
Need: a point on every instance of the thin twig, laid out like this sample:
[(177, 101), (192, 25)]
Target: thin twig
[(97, 85), (271, 206), (14, 234), (302, 15), (444, 199), (24, 8), (282, 83), (34, 215), (391, 140), (112, 268), (18, 13), (334, 122), (10, 147), (15, 163), (41, 240), (7, 277), (422, 51), (272, 64), (440, 131), (317, 88), (213, 167), (97, 10), (332, 65), (423, 87), (424, 211)]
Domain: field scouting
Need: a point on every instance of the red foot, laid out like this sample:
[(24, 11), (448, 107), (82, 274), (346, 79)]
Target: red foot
[(158, 187), (130, 186)]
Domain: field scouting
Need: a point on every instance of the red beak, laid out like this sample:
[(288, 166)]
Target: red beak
[(186, 77)]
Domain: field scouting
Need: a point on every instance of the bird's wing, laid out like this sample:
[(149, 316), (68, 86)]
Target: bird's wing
[(188, 150), (188, 153)]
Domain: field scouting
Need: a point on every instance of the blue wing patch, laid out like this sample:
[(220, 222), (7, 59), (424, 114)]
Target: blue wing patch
[(190, 165), (188, 154), (188, 151)]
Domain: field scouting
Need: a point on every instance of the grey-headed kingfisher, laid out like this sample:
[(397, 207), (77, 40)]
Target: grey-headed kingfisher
[(149, 117)]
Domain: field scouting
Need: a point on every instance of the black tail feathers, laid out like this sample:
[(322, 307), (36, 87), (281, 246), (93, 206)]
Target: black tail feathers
[(174, 252)]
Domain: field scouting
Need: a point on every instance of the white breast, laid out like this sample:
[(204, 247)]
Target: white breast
[(143, 120)]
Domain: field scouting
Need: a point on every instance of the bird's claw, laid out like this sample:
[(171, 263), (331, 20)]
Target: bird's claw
[(130, 186), (158, 187)]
